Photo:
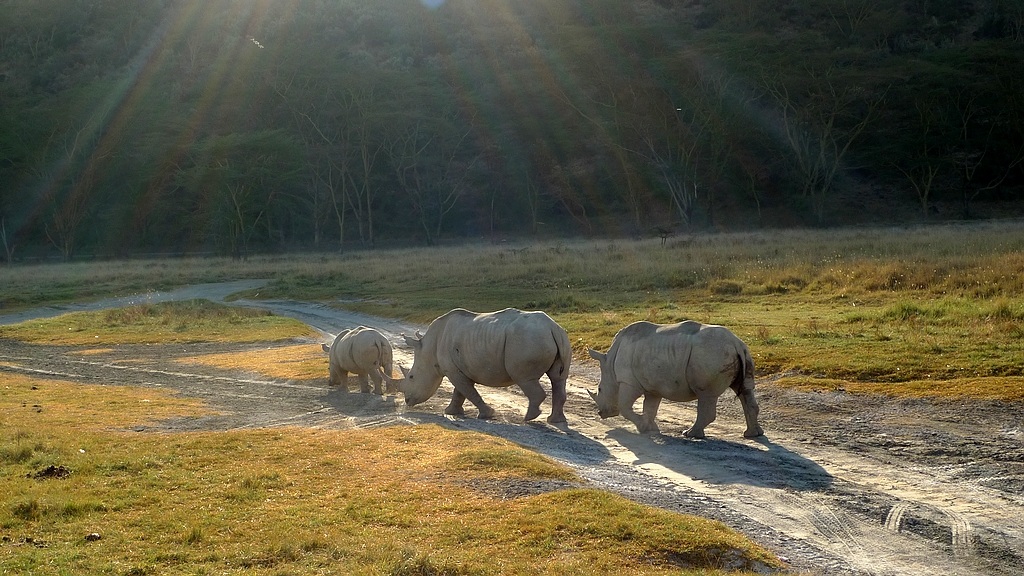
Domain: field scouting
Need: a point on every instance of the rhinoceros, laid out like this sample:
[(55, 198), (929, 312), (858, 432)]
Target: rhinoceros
[(494, 349), (364, 352), (679, 362)]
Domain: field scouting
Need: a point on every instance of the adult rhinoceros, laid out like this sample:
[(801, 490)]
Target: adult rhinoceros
[(494, 349), (679, 362), (366, 353)]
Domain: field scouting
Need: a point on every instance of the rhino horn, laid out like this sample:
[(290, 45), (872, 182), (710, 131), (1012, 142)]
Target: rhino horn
[(592, 395), (405, 371)]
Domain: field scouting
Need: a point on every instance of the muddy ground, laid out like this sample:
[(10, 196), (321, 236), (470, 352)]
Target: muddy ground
[(840, 484)]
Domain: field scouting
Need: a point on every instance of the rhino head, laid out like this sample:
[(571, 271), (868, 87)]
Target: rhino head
[(607, 397), (424, 378)]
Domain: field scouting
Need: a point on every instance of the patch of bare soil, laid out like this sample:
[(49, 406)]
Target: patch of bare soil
[(840, 484)]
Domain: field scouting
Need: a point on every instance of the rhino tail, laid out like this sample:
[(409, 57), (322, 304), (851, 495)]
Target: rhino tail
[(744, 378), (564, 352), (383, 362)]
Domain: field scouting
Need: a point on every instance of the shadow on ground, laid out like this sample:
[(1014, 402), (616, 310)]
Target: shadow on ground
[(765, 464)]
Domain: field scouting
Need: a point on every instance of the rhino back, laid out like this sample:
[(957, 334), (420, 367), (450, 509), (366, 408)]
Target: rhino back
[(674, 360), (536, 344), (497, 348), (361, 350)]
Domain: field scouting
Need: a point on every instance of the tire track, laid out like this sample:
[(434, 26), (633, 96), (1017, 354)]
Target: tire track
[(894, 520), (962, 541)]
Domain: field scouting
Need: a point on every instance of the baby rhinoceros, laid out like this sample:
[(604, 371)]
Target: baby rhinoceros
[(680, 362), (364, 352)]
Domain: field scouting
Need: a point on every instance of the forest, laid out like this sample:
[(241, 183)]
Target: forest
[(244, 126)]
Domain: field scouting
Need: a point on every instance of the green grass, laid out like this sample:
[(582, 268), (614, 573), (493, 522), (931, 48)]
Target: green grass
[(928, 312), (941, 303), (170, 322), (302, 501)]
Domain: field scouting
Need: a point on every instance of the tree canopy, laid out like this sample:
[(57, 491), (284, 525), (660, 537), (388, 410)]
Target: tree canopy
[(233, 126)]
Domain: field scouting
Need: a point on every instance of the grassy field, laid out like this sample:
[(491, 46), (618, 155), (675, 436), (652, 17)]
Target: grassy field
[(924, 312), (84, 495), (931, 311)]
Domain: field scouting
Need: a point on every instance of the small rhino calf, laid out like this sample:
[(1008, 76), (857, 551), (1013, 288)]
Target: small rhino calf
[(364, 352)]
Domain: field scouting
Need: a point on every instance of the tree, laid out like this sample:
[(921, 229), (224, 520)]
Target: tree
[(69, 181), (990, 139), (432, 169), (7, 241), (243, 174), (926, 152), (820, 121)]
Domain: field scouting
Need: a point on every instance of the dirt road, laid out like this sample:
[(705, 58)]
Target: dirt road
[(840, 484)]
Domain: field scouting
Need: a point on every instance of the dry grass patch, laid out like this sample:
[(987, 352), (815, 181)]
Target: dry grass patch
[(299, 501), (1009, 389), (862, 305), (294, 362), (61, 405)]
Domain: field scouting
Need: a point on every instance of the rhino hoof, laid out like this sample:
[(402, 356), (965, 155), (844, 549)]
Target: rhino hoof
[(487, 414), (691, 433), (753, 433), (559, 419)]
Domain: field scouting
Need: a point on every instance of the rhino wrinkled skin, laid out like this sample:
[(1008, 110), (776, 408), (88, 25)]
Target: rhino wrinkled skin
[(364, 352), (680, 362), (494, 349)]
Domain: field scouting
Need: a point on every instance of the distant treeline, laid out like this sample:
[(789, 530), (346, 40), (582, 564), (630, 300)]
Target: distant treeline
[(252, 125)]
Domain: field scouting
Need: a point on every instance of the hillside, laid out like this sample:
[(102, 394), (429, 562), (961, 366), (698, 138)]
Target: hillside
[(236, 126)]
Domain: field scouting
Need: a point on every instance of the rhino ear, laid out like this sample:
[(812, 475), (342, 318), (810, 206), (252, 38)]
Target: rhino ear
[(597, 355), (414, 343)]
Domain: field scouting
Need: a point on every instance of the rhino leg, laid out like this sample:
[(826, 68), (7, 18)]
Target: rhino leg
[(467, 388), (535, 394), (341, 380), (455, 406), (558, 396), (707, 411), (364, 383), (750, 412), (650, 423), (378, 382), (644, 422)]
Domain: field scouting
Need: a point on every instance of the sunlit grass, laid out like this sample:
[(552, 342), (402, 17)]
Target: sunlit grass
[(293, 362), (300, 501), (862, 305), (189, 321)]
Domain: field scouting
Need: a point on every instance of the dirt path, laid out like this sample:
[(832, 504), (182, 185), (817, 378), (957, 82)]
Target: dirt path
[(840, 485)]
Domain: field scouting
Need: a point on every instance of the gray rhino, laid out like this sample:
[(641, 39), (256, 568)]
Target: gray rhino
[(494, 349), (681, 362), (364, 352)]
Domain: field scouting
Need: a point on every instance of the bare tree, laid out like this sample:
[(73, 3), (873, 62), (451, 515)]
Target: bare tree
[(70, 183), (819, 127), (977, 124), (927, 160), (7, 241), (533, 195), (850, 15)]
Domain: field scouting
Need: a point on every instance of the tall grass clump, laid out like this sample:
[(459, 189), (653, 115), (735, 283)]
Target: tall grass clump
[(187, 321)]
